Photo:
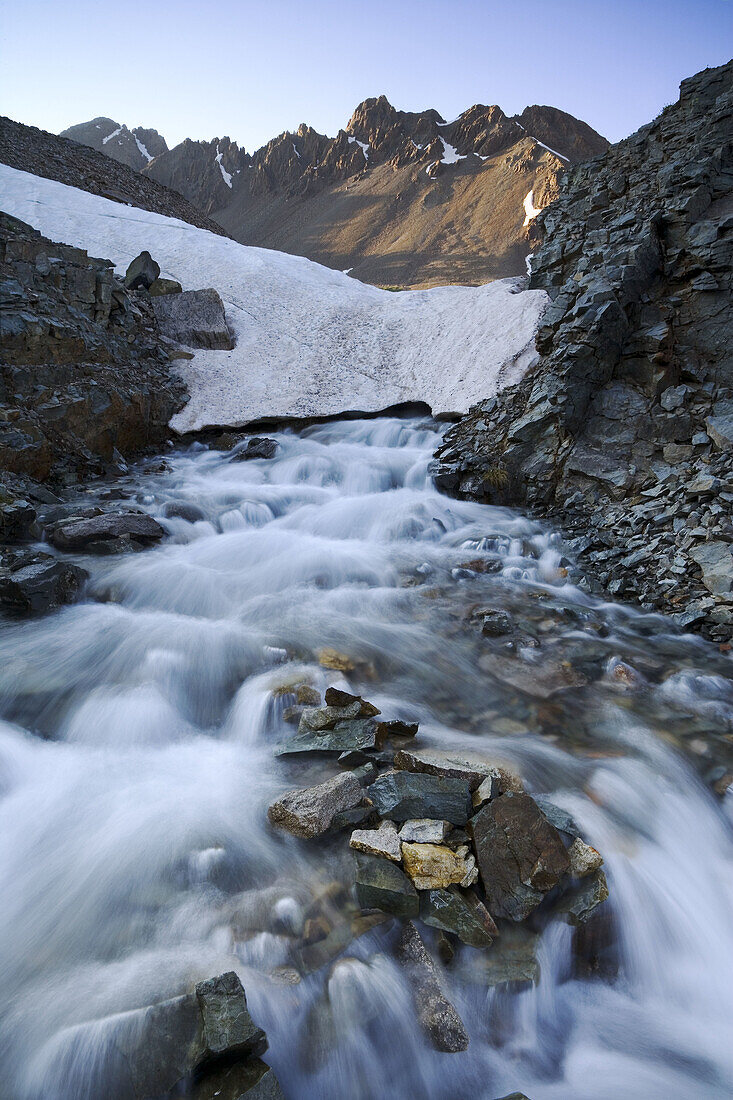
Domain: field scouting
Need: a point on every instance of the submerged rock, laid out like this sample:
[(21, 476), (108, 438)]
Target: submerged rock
[(520, 855), (253, 1079), (309, 812), (380, 884), (438, 1018), (259, 446), (402, 795), (579, 903)]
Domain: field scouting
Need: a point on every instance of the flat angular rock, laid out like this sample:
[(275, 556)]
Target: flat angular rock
[(460, 913), (80, 534), (335, 697), (424, 831), (164, 286), (325, 718), (228, 1026), (41, 586), (356, 734), (541, 681), (434, 867), (309, 812), (584, 860), (401, 796), (558, 817), (380, 884), (520, 855), (252, 1079), (578, 905), (716, 561), (396, 728), (378, 842), (438, 1017), (470, 767), (194, 318)]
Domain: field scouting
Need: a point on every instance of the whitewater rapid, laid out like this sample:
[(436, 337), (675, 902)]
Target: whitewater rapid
[(137, 762)]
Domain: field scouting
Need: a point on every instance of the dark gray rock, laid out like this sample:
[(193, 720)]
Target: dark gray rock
[(195, 318), (164, 286), (142, 272), (357, 735), (402, 796), (111, 527), (252, 1079), (473, 768), (259, 446), (380, 884), (519, 853), (228, 1026), (579, 903), (41, 586), (438, 1018), (461, 913), (183, 509), (335, 697), (495, 622)]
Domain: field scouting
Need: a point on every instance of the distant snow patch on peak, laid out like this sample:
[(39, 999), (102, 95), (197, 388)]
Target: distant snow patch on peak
[(226, 176), (295, 150), (451, 154), (142, 148), (363, 145), (530, 210), (549, 150), (113, 134)]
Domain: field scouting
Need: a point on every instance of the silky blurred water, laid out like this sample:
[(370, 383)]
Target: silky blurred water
[(136, 766)]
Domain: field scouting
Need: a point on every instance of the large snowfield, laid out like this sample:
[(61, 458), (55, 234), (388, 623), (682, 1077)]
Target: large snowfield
[(310, 341)]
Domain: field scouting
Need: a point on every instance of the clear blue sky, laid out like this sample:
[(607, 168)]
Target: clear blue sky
[(253, 68)]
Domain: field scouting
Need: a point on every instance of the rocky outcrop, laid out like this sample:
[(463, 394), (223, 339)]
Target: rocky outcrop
[(622, 432), (194, 318), (84, 372), (399, 197), (59, 158), (135, 147)]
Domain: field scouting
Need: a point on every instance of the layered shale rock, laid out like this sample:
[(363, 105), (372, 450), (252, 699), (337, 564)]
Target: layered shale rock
[(623, 431)]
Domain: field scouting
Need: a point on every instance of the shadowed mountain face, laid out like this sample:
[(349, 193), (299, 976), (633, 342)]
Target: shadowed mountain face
[(398, 198)]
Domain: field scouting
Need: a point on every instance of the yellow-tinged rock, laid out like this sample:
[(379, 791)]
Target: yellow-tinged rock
[(331, 658), (435, 866)]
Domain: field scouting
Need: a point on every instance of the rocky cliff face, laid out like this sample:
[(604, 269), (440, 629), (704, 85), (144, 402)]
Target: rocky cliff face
[(84, 372), (135, 148), (625, 429), (398, 197), (31, 150)]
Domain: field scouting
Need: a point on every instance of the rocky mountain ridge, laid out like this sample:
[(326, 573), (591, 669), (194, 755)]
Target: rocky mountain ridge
[(135, 148), (397, 197), (623, 432)]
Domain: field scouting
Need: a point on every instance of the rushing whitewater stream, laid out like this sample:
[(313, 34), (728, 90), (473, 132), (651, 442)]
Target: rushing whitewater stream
[(137, 761)]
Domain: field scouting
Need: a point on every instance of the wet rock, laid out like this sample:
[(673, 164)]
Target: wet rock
[(540, 680), (325, 718), (142, 272), (307, 696), (183, 509), (259, 446), (495, 622), (335, 697), (578, 904), (438, 1017), (331, 658), (110, 528), (378, 842), (512, 959), (164, 286), (463, 914), (584, 860), (424, 831), (253, 1079), (194, 318), (159, 1046), (16, 519), (396, 728), (309, 812), (228, 1026), (558, 817), (469, 767), (402, 796), (434, 866), (355, 735), (520, 855), (41, 586), (380, 884)]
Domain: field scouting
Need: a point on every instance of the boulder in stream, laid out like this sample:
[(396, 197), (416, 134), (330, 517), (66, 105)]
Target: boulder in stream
[(40, 586), (228, 1026), (309, 811), (435, 866), (463, 914), (438, 1017), (520, 855), (252, 1079), (380, 884), (402, 796), (259, 446), (106, 533), (378, 842)]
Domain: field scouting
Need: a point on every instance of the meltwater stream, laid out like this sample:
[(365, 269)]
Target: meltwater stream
[(137, 763)]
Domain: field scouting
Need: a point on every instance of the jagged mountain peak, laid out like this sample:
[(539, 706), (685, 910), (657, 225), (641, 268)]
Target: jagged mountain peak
[(136, 148)]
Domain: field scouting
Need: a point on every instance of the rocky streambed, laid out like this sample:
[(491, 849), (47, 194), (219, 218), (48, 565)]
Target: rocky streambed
[(324, 754)]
